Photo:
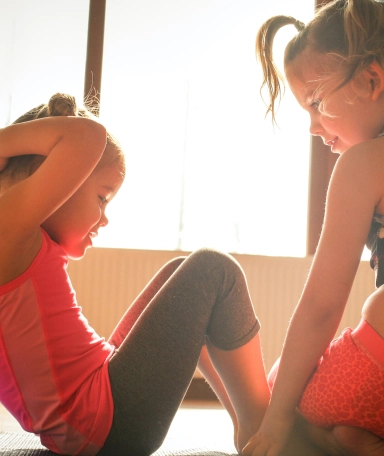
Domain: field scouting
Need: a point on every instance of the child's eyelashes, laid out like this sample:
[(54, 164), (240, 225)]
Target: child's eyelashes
[(103, 200), (315, 104)]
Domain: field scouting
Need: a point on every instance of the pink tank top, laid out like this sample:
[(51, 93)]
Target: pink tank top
[(53, 366)]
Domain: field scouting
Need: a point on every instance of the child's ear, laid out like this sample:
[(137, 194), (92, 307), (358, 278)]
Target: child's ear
[(374, 76)]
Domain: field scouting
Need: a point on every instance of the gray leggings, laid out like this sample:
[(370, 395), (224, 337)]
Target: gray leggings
[(159, 341)]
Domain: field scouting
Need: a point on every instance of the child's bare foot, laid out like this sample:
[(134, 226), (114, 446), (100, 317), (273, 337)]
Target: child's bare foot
[(358, 442), (246, 430), (345, 440)]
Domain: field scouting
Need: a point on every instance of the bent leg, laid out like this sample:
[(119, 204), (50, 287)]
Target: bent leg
[(249, 393), (353, 440), (141, 302), (348, 383), (207, 295), (245, 397), (358, 442), (212, 377), (345, 441), (373, 311)]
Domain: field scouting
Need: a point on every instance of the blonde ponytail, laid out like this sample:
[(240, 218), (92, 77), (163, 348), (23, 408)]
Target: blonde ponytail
[(348, 33), (272, 78)]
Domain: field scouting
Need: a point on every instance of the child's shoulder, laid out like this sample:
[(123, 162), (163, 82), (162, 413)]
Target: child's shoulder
[(367, 155), (359, 173), (17, 254)]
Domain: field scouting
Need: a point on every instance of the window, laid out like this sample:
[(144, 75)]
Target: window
[(43, 50), (181, 91)]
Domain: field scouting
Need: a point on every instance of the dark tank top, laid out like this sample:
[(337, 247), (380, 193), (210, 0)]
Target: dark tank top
[(375, 243)]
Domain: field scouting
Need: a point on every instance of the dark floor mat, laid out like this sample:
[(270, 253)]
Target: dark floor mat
[(20, 444)]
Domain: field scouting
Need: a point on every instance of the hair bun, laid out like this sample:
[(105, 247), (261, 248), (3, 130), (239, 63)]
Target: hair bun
[(62, 104)]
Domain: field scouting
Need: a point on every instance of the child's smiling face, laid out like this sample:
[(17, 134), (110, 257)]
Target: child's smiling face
[(342, 118), (77, 221)]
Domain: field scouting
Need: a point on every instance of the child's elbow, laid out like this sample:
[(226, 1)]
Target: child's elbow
[(95, 130), (93, 133)]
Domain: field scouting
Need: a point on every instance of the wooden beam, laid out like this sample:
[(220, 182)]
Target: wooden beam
[(94, 59), (322, 162)]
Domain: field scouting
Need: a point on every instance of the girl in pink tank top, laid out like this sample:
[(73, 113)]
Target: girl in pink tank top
[(83, 395)]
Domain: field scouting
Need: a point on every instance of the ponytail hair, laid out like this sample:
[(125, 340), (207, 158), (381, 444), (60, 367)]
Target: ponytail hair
[(348, 34), (60, 104), (272, 78)]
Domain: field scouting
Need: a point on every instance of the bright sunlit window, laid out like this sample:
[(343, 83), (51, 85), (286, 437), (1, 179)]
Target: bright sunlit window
[(43, 51), (181, 92)]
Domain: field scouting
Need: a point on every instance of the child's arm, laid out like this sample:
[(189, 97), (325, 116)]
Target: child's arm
[(354, 194), (73, 146)]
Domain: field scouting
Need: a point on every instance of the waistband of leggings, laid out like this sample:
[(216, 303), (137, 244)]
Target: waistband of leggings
[(370, 339)]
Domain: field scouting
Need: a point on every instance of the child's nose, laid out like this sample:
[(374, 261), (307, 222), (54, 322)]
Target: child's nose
[(103, 220), (315, 129)]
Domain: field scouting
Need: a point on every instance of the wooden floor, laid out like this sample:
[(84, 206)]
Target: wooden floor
[(196, 425)]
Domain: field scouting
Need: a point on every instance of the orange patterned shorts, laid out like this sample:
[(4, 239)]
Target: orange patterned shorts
[(347, 387)]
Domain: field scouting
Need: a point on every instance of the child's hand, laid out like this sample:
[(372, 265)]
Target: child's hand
[(271, 438), (3, 163)]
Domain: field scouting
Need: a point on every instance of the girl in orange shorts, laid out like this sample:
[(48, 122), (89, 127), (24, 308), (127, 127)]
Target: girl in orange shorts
[(334, 66)]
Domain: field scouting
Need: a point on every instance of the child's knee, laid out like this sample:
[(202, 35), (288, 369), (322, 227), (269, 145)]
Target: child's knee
[(170, 267), (214, 260), (373, 310)]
